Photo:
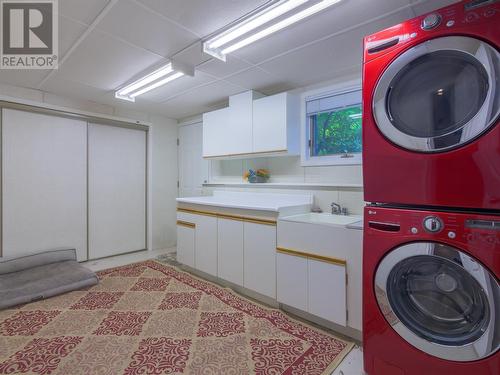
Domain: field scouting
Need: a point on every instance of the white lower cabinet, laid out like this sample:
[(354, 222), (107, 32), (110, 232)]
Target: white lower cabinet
[(327, 291), (239, 250), (230, 250), (206, 244), (315, 286), (291, 276), (260, 258), (185, 243)]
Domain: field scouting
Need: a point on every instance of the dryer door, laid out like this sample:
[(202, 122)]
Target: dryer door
[(440, 300), (439, 95)]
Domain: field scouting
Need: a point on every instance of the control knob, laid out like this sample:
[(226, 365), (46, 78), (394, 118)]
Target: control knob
[(431, 21), (433, 224)]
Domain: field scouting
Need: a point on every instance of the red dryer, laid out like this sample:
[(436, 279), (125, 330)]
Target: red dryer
[(431, 298), (431, 104)]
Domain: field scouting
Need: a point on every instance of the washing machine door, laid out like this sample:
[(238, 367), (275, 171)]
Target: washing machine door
[(439, 95), (440, 300)]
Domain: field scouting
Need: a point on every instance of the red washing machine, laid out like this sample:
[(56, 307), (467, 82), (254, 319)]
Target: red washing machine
[(431, 292), (431, 104)]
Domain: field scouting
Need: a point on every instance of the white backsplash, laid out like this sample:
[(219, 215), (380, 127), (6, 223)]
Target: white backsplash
[(287, 169)]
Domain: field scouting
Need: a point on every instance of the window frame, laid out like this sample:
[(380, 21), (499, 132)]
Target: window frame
[(305, 153)]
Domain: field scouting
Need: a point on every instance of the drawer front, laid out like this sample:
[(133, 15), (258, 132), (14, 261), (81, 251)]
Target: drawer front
[(319, 239)]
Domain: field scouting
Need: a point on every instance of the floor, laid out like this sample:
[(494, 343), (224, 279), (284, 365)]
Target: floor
[(351, 365)]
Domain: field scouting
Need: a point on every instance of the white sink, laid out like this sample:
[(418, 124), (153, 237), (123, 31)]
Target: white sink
[(324, 218)]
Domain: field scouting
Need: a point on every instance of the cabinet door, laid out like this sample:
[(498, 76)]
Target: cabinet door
[(230, 250), (237, 137), (206, 244), (214, 127), (291, 280), (260, 258), (269, 123), (327, 291), (185, 244)]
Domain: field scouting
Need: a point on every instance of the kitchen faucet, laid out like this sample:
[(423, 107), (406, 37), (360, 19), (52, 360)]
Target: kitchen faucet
[(337, 209)]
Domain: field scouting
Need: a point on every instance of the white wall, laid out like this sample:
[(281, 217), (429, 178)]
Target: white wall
[(163, 157)]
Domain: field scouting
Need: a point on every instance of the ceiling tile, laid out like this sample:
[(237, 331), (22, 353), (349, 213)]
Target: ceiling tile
[(429, 6), (175, 87), (222, 69), (203, 16), (199, 100), (322, 61), (259, 80), (335, 19), (144, 28), (66, 87), (69, 32), (104, 62), (84, 11)]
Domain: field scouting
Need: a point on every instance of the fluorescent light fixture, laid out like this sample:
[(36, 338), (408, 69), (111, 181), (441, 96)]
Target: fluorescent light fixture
[(247, 31), (156, 84), (151, 81), (254, 22), (356, 116)]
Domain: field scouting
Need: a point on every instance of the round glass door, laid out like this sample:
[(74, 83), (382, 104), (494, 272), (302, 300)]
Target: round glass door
[(440, 300), (439, 95)]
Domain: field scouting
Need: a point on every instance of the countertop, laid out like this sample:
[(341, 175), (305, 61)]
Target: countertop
[(273, 202)]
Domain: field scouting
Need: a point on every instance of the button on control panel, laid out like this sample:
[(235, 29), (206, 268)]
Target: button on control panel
[(433, 224), (431, 21)]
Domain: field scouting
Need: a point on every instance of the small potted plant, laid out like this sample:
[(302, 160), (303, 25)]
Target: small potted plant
[(258, 176)]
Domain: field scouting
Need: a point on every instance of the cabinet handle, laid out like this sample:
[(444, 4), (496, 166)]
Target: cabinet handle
[(321, 258), (229, 216), (186, 224)]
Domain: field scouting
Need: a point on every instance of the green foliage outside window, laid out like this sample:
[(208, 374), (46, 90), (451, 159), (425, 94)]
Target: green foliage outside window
[(336, 132)]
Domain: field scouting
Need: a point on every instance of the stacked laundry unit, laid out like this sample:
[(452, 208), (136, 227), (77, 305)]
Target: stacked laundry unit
[(431, 164)]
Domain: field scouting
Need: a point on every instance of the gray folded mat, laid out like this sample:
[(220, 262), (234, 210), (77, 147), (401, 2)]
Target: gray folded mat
[(43, 275)]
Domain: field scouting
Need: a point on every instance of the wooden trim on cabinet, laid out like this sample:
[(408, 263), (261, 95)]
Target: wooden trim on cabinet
[(221, 215), (186, 224), (245, 154), (303, 254), (197, 212)]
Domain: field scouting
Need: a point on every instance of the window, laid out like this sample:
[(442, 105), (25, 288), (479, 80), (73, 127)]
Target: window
[(333, 129)]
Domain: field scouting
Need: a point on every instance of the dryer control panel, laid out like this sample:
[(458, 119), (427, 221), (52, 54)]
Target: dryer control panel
[(464, 17)]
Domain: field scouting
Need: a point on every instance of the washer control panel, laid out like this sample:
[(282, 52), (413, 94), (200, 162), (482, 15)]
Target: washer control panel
[(475, 229), (433, 224)]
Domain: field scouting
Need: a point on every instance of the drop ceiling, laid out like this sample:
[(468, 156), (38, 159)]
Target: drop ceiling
[(106, 43)]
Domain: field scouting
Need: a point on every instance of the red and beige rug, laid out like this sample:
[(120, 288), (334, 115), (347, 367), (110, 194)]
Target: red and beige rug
[(150, 318)]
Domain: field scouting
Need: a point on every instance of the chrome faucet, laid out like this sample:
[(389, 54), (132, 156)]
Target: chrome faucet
[(337, 209)]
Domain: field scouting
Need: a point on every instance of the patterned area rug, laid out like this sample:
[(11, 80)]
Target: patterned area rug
[(150, 318)]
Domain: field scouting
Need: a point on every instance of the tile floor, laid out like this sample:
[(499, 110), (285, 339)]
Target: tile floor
[(351, 365)]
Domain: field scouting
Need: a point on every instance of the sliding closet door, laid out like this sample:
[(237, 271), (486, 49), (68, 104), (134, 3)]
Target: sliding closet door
[(44, 164), (117, 190)]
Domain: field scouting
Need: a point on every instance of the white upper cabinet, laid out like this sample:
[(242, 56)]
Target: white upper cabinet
[(236, 137), (253, 124), (214, 125), (276, 124)]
